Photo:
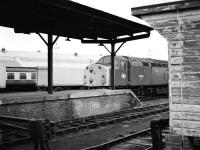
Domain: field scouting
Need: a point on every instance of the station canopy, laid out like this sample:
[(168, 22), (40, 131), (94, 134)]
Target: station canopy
[(68, 19)]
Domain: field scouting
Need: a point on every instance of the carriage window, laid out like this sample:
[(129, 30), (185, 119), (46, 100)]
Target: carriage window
[(107, 61), (159, 65), (22, 76), (145, 64), (100, 61), (153, 65), (33, 75), (164, 65), (10, 76)]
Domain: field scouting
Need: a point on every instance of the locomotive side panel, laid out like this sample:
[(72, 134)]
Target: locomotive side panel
[(120, 77), (166, 75), (147, 79), (122, 73), (2, 76), (136, 73), (158, 76)]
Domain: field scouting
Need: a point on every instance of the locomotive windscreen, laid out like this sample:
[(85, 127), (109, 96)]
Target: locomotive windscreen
[(106, 60)]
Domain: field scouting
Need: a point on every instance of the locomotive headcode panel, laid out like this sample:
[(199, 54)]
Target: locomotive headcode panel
[(2, 76)]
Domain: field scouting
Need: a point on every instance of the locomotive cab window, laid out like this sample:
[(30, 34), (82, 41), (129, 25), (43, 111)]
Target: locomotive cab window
[(164, 65), (22, 76), (10, 76), (107, 61), (153, 65), (100, 61), (123, 65)]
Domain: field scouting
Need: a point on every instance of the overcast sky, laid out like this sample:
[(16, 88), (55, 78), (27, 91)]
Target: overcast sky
[(154, 47)]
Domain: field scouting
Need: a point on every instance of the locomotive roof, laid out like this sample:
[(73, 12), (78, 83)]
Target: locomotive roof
[(148, 60), (137, 59)]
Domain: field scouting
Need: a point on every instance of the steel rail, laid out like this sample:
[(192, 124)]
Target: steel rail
[(113, 113), (14, 119), (15, 142), (124, 139), (80, 123), (118, 140), (12, 127), (75, 125)]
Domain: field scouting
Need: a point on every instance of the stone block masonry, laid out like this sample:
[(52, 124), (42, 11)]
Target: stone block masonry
[(65, 106), (179, 23), (179, 142)]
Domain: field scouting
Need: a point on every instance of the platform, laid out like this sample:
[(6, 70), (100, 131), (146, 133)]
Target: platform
[(66, 105)]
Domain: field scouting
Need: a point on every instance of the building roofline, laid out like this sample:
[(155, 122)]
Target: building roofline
[(164, 7)]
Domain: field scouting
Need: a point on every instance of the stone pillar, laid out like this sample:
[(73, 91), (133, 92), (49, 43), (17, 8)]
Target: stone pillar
[(179, 24)]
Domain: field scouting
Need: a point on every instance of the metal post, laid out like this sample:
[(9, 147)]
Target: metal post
[(112, 66), (50, 63), (39, 135), (1, 141), (156, 135)]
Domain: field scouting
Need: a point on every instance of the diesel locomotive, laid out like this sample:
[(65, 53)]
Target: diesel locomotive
[(144, 76)]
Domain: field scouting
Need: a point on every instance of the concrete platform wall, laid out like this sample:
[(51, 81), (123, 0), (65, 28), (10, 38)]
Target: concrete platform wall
[(67, 106)]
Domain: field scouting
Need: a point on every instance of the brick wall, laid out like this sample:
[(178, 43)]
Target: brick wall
[(178, 142), (62, 107)]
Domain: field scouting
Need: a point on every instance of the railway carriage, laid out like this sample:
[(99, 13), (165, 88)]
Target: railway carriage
[(21, 77), (143, 75)]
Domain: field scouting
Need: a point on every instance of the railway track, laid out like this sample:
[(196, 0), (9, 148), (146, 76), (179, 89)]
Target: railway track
[(18, 130), (99, 120), (140, 140)]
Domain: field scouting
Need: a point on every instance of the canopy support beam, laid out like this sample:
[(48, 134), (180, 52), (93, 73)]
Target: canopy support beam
[(119, 40), (50, 63), (113, 66), (50, 42)]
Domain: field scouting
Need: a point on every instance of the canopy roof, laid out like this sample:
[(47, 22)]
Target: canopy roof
[(65, 18)]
